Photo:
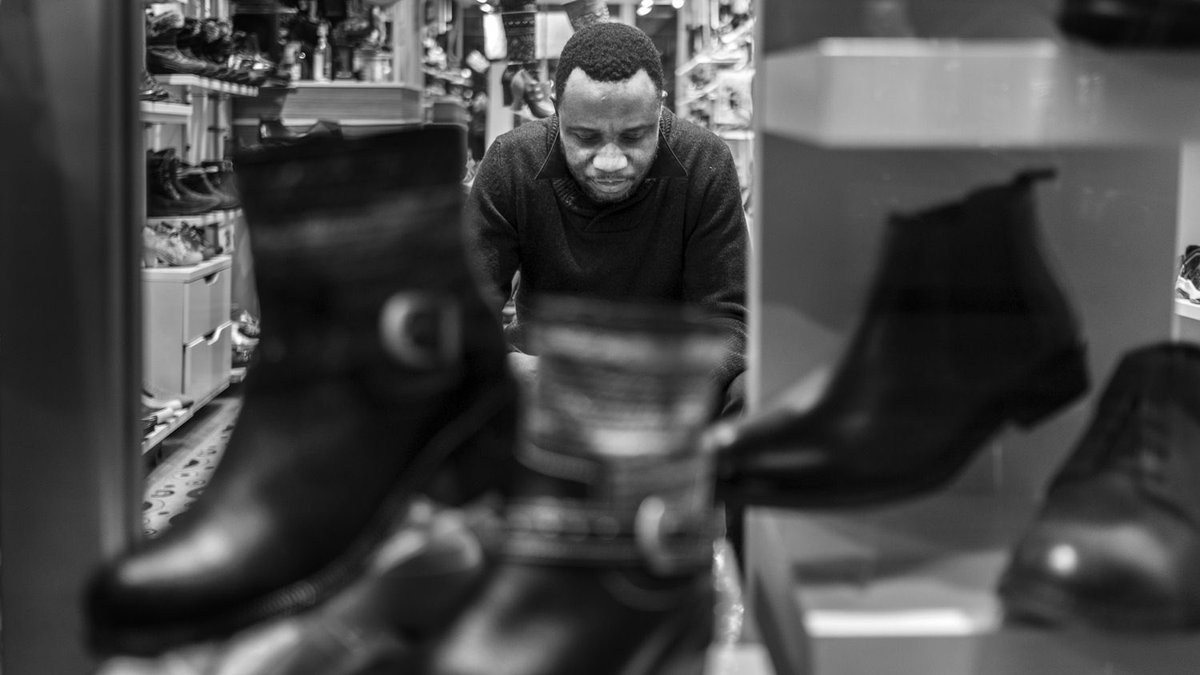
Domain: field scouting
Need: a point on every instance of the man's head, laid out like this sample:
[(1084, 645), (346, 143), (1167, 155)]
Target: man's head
[(609, 90)]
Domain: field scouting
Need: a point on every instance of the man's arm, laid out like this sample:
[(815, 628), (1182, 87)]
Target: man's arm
[(715, 276), (491, 226)]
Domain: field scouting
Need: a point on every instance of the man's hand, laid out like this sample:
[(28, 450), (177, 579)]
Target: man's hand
[(524, 367)]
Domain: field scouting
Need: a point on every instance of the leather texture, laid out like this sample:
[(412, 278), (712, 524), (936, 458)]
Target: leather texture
[(379, 372), (965, 329), (1117, 541)]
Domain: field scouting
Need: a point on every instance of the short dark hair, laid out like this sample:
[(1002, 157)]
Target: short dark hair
[(608, 52)]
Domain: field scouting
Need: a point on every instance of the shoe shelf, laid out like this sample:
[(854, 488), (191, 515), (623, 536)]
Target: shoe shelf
[(1186, 309), (162, 112), (897, 93), (197, 82), (202, 219), (162, 431)]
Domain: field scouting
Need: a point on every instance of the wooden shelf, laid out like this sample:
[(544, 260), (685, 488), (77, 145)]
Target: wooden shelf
[(197, 82), (210, 218), (162, 431), (187, 273), (162, 112), (1187, 309), (882, 92)]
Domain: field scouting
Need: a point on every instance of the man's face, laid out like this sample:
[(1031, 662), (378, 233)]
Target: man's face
[(609, 132)]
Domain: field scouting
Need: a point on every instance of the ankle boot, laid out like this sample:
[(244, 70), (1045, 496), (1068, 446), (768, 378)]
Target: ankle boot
[(415, 583), (163, 56), (1117, 542), (603, 564), (965, 329), (520, 81), (583, 13), (1132, 23), (166, 197), (380, 371)]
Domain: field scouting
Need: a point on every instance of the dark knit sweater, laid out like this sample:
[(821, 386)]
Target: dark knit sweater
[(681, 237)]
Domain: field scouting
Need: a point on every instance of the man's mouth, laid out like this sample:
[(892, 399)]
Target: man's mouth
[(610, 184)]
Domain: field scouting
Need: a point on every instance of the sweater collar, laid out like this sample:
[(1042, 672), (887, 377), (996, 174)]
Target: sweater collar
[(666, 164)]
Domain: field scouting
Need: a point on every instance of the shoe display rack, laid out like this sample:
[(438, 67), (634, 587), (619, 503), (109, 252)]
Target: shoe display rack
[(857, 118), (186, 308), (714, 84)]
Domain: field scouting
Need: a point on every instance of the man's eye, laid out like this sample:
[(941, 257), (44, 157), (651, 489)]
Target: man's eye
[(586, 138), (633, 137)]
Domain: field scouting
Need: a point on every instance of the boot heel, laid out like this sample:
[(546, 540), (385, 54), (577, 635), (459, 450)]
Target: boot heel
[(1051, 387)]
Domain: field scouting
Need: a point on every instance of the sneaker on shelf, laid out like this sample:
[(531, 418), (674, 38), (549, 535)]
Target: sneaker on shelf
[(1187, 284), (164, 246)]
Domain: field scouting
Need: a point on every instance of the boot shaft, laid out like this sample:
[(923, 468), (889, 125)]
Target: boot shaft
[(974, 272), (360, 256)]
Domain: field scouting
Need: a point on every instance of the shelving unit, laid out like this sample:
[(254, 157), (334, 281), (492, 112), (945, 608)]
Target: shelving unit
[(162, 431), (186, 314), (851, 129)]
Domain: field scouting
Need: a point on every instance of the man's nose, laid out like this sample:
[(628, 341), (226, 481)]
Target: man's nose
[(610, 159)]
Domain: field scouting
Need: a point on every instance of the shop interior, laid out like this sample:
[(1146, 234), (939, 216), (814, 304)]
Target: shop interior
[(924, 142)]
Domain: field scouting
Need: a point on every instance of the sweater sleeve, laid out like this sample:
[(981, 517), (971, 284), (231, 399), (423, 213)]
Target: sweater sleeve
[(715, 266), (491, 223)]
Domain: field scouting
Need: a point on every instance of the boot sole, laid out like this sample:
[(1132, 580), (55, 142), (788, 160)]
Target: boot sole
[(488, 411), (1038, 603), (1047, 388)]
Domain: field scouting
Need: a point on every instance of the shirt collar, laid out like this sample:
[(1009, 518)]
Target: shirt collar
[(666, 164)]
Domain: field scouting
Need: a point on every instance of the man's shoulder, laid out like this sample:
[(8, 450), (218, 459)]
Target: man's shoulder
[(530, 138), (689, 138)]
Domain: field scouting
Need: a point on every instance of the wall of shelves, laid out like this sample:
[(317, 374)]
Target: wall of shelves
[(851, 128)]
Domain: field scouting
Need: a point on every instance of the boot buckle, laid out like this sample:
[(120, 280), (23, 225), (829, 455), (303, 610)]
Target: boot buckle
[(421, 329)]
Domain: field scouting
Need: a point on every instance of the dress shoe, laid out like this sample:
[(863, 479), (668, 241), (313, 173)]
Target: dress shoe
[(965, 329), (1117, 541), (380, 372), (603, 561), (1132, 23)]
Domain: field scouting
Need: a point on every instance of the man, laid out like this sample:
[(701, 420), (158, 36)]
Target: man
[(614, 198)]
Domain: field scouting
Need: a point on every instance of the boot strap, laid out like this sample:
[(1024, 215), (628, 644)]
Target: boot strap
[(660, 534)]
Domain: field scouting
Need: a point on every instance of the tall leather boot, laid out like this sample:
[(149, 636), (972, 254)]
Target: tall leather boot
[(583, 13), (1117, 542), (604, 563), (521, 82), (380, 371), (965, 329)]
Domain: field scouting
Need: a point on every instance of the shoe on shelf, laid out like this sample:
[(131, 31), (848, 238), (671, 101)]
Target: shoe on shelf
[(1116, 544), (381, 373), (165, 196), (520, 80), (163, 56), (164, 245), (965, 329), (1187, 282)]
